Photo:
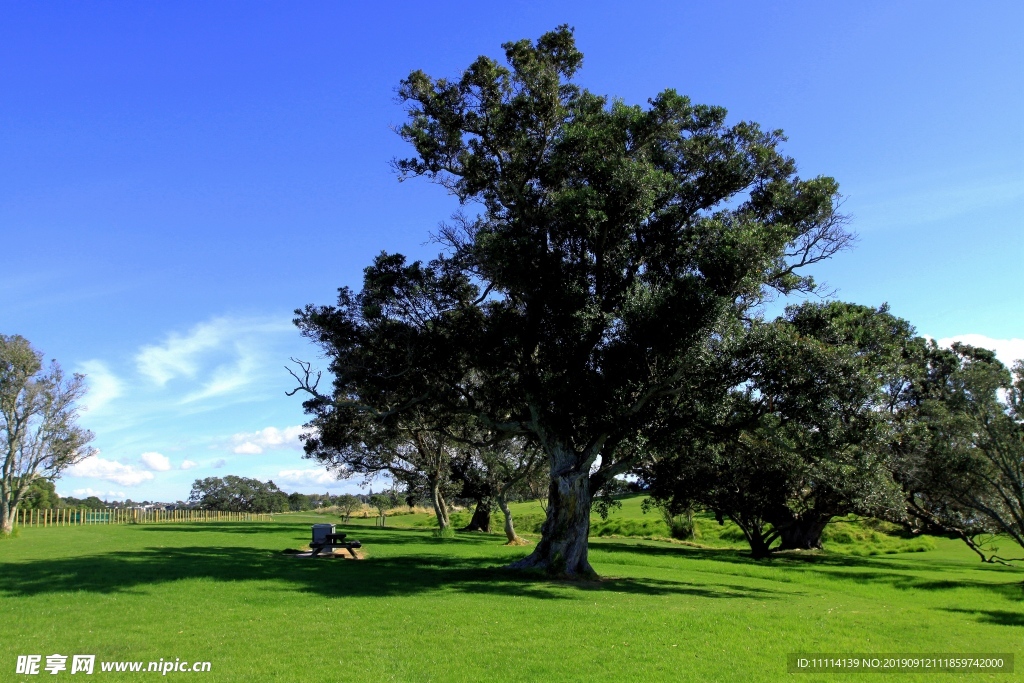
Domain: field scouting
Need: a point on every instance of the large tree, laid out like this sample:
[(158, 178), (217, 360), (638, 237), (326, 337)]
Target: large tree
[(601, 247), (39, 436)]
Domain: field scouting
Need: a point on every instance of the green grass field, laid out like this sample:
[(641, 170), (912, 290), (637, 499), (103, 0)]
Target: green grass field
[(424, 609)]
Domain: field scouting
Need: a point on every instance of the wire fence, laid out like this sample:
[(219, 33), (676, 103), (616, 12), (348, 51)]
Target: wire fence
[(82, 516)]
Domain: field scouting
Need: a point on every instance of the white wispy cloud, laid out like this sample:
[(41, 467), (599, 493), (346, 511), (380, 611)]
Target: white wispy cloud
[(96, 467), (179, 355), (928, 199), (104, 386), (156, 461), (1007, 351), (227, 379), (270, 438), (177, 392), (315, 477), (224, 349)]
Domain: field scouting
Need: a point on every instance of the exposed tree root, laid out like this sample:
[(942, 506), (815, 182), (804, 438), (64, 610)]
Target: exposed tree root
[(518, 540)]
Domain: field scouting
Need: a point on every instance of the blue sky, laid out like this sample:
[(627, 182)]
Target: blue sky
[(176, 178)]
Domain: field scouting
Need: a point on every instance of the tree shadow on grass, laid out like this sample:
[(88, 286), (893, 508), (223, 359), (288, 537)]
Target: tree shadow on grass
[(216, 527), (899, 573), (732, 556), (135, 571), (302, 533), (994, 616)]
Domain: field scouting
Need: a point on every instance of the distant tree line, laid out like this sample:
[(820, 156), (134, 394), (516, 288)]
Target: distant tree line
[(238, 494), (244, 494)]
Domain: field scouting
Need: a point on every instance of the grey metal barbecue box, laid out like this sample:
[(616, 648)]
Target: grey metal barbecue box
[(320, 532)]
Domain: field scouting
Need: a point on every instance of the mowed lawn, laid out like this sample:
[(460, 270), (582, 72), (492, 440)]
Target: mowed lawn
[(423, 609)]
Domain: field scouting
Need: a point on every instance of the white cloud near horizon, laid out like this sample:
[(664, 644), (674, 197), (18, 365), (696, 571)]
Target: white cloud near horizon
[(1007, 350), (95, 467), (310, 477), (156, 461), (270, 438), (188, 464), (104, 385), (118, 495)]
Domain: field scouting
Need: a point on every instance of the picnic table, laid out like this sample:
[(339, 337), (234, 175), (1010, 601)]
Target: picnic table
[(332, 540)]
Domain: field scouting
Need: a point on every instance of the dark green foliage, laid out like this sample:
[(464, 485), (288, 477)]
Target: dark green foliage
[(961, 447), (805, 436), (238, 494), (680, 526), (41, 494), (298, 502), (92, 503)]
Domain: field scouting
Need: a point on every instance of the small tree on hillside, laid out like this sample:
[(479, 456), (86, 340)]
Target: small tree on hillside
[(347, 505), (383, 502)]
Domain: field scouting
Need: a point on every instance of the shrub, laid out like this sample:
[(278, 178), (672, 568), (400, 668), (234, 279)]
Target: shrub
[(680, 526)]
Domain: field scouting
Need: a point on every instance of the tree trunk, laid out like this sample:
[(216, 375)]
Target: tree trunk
[(510, 530), (802, 533), (7, 514), (562, 549), (440, 506), (754, 531), (481, 517)]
